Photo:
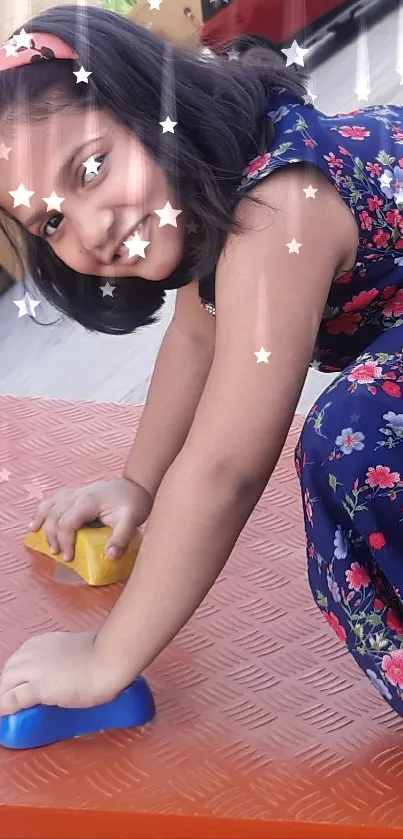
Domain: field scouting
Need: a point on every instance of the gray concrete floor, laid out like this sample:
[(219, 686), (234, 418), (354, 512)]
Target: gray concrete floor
[(63, 361)]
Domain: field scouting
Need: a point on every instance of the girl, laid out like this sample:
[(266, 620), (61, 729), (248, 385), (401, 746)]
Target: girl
[(284, 223)]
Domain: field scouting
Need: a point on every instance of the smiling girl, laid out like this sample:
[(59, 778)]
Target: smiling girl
[(156, 167)]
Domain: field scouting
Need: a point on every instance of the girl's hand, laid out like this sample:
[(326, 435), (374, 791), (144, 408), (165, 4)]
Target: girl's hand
[(119, 503), (58, 668)]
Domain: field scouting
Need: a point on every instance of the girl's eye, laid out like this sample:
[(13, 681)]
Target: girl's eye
[(58, 215), (98, 157)]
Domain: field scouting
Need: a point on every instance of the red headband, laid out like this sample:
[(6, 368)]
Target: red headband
[(31, 47)]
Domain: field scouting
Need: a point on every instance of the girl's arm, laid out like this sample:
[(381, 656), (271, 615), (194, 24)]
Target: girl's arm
[(265, 296), (180, 373)]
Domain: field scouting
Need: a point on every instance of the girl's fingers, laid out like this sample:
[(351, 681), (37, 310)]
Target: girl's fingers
[(122, 534), (79, 514), (40, 514), (50, 527)]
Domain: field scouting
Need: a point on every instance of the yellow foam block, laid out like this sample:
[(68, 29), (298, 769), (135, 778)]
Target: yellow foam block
[(90, 561)]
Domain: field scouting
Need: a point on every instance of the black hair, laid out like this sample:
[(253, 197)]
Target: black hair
[(220, 107)]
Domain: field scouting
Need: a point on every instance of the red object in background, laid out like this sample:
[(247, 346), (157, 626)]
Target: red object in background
[(278, 20)]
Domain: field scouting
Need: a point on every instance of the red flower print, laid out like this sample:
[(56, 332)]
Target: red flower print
[(333, 621), (357, 576), (377, 541), (344, 324), (361, 301), (399, 245), (308, 506), (366, 220), (375, 203), (344, 279), (394, 217), (310, 143), (365, 374), (394, 622), (392, 665), (392, 389), (381, 476), (388, 292), (354, 132), (379, 604), (395, 305), (374, 169), (257, 164), (382, 239), (342, 150), (333, 161), (352, 113)]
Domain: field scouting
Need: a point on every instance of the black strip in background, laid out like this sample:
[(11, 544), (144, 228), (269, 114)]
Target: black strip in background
[(334, 34), (210, 9)]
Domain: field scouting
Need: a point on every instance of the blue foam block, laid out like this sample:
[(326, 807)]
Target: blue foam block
[(44, 724)]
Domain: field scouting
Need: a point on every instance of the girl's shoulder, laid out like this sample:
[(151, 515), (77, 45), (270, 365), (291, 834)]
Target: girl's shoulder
[(333, 143)]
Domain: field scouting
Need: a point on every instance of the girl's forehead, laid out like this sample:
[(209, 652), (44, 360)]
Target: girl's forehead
[(66, 120), (25, 137)]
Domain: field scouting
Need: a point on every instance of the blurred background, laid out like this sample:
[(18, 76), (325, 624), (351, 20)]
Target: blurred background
[(355, 51)]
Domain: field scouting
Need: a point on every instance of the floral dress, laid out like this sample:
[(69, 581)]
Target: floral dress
[(349, 458)]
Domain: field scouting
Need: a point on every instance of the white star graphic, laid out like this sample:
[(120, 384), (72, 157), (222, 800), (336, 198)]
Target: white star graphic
[(295, 54), (136, 246), (53, 201), (168, 215), (386, 179), (155, 5), (192, 227), (233, 54), (23, 39), (262, 356), (4, 152), (82, 75), (310, 192), (4, 476), (91, 166), (107, 289), (168, 125), (11, 50), (26, 306), (21, 196), (294, 246), (309, 98)]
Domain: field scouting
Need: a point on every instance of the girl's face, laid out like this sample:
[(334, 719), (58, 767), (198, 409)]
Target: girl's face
[(102, 206)]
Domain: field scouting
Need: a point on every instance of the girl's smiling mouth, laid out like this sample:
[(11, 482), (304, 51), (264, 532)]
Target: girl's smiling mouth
[(134, 245)]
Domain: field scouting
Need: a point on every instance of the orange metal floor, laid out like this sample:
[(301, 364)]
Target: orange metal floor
[(265, 727)]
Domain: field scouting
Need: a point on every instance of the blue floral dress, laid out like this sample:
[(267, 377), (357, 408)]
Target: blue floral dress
[(349, 457)]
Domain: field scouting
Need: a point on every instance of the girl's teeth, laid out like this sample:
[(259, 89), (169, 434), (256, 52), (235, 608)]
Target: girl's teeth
[(124, 250)]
